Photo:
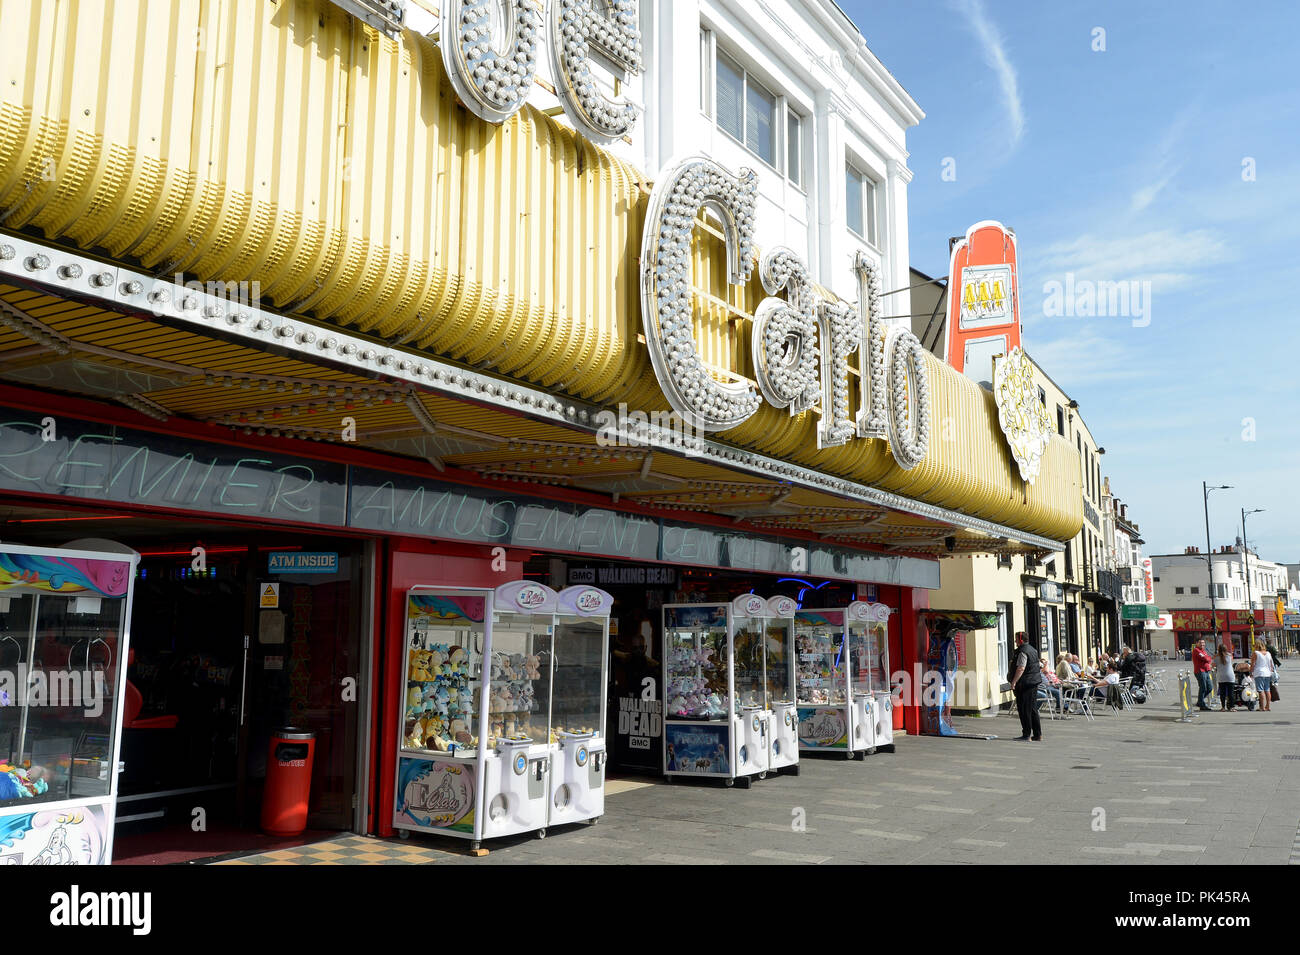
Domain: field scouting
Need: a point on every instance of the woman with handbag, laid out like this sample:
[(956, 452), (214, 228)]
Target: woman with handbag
[(1263, 673), (1226, 678)]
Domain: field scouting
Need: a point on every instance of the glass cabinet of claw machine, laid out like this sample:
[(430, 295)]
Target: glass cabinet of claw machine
[(520, 740), (868, 639), (779, 658), (754, 737), (821, 682), (64, 640), (580, 658), (701, 710), (440, 762), (476, 737)]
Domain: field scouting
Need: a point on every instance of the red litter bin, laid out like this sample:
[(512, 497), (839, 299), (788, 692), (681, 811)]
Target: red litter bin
[(288, 781)]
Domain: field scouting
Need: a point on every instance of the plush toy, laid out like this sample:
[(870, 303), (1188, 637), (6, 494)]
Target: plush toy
[(414, 701), (415, 739), (532, 666), (460, 734)]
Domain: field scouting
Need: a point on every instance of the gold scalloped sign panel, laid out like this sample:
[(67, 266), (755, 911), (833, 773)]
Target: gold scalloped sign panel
[(1023, 417)]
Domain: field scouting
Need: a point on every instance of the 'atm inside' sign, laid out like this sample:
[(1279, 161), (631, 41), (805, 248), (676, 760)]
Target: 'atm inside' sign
[(303, 562)]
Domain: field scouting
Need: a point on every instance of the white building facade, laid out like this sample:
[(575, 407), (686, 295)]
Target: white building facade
[(1183, 581)]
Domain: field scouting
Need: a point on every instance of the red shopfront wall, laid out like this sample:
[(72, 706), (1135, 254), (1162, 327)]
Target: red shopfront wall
[(415, 563), (903, 652), (912, 639)]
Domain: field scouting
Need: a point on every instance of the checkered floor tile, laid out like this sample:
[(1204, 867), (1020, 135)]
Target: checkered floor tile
[(347, 850)]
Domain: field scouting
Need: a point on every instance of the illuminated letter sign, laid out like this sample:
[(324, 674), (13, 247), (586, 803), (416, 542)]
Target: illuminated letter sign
[(492, 65), (873, 416), (909, 433), (684, 188), (576, 26), (782, 343), (493, 85), (792, 370), (841, 334)]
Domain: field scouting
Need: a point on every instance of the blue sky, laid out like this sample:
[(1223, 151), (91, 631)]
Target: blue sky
[(1127, 165)]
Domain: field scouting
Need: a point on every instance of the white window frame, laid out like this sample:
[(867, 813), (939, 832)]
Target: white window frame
[(800, 119), (783, 108), (870, 211)]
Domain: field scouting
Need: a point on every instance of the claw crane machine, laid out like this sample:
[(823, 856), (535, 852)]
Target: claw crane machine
[(580, 659), (475, 754), (779, 671), (64, 639), (842, 679), (870, 690), (715, 723)]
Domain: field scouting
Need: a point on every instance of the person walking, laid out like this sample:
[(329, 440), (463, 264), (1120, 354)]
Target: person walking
[(1224, 675), (1262, 671), (1024, 684), (1202, 664)]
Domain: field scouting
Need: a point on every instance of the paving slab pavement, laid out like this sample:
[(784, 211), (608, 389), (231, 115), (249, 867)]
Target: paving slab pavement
[(1134, 788)]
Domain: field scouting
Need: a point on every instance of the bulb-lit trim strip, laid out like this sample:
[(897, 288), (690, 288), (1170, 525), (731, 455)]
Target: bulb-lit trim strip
[(129, 290)]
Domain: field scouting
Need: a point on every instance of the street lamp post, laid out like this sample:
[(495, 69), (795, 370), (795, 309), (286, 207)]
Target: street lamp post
[(1245, 555), (1209, 556)]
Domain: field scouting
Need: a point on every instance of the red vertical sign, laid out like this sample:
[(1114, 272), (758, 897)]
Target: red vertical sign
[(983, 299)]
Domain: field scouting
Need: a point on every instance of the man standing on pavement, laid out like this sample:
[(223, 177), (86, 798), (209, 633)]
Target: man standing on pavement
[(1024, 684), (1202, 664)]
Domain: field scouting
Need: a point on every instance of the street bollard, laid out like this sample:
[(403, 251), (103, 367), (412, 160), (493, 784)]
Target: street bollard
[(1185, 696)]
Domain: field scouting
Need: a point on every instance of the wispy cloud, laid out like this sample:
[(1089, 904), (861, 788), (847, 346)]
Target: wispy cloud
[(995, 55), (1147, 194), (1168, 258), (1085, 357), (1164, 168)]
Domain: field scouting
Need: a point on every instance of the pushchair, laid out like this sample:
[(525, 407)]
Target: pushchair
[(1239, 690)]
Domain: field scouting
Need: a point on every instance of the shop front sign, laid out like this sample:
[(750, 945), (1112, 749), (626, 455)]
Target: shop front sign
[(984, 306), (1022, 416), (303, 562), (1050, 592), (107, 463), (493, 66), (800, 344)]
